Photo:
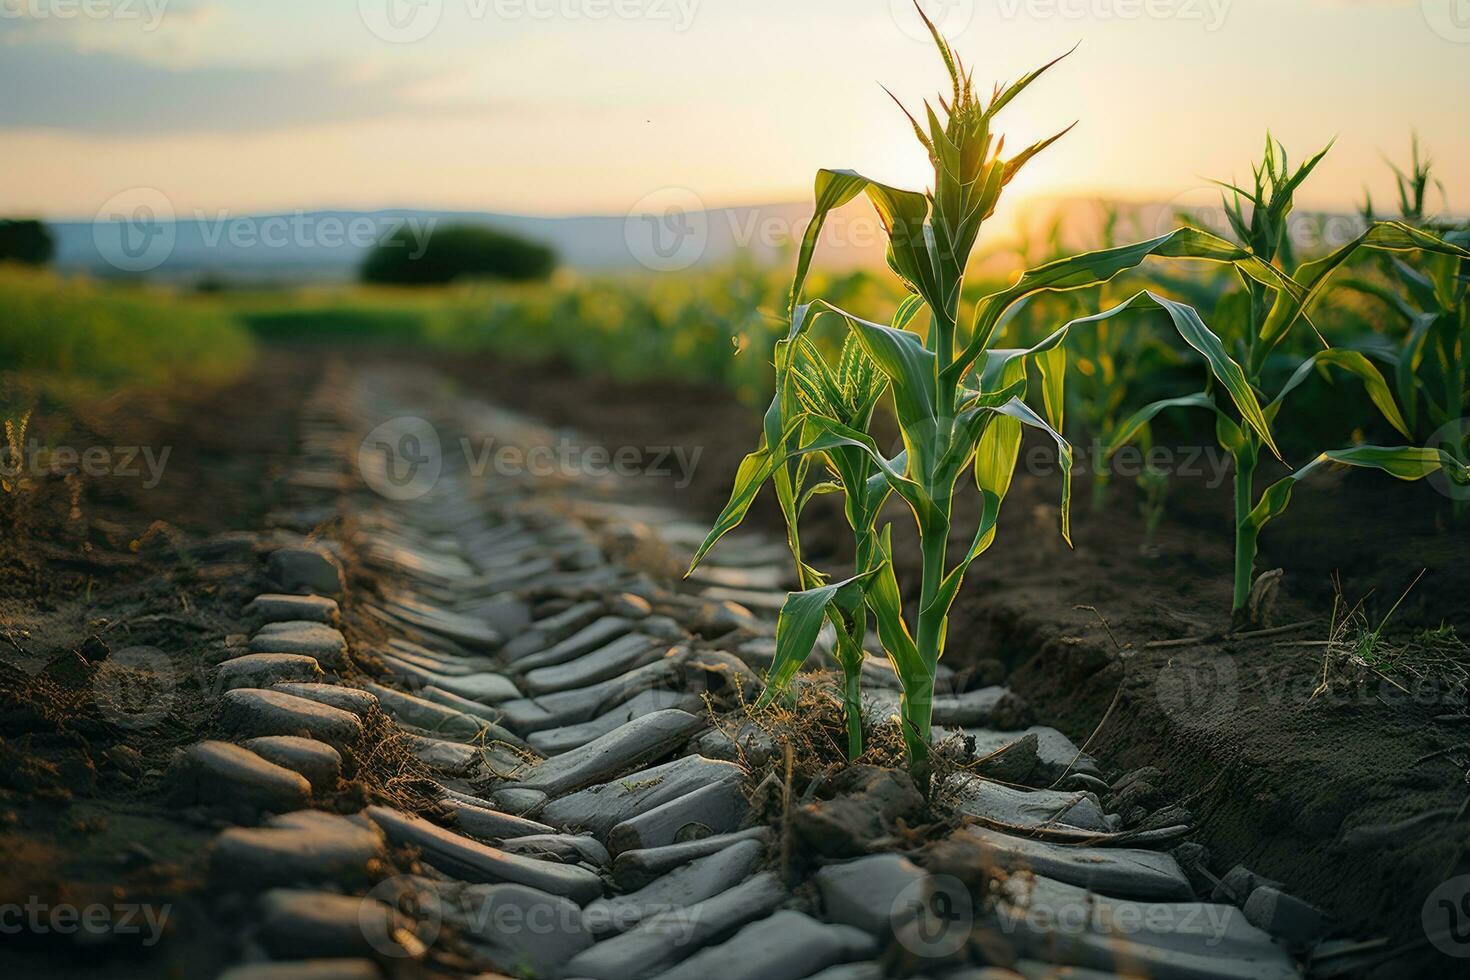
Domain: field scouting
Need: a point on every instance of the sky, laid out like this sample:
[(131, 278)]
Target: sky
[(563, 107)]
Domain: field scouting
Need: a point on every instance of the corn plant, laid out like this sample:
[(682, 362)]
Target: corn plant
[(1259, 218), (1428, 352), (1412, 186), (959, 399), (1153, 486), (1111, 365)]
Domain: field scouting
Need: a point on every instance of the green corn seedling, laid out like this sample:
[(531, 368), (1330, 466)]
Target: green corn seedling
[(1259, 218), (958, 399)]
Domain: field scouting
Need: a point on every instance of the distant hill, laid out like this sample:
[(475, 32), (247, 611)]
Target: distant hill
[(663, 235), (329, 246)]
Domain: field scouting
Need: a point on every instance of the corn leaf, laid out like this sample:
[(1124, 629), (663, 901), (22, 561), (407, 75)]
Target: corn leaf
[(1196, 334), (949, 586), (1052, 364), (886, 602), (822, 435), (1393, 236), (1403, 462), (1406, 367), (754, 470), (1014, 164), (992, 438), (798, 625), (910, 368), (1019, 85), (1021, 412), (907, 310), (1135, 423), (833, 189), (905, 216), (1231, 437), (996, 454), (1095, 268), (1356, 364)]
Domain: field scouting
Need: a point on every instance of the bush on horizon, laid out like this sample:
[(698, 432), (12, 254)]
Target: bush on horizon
[(25, 241), (458, 252)]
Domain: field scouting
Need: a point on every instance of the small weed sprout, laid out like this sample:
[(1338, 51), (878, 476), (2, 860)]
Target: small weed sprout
[(1356, 646)]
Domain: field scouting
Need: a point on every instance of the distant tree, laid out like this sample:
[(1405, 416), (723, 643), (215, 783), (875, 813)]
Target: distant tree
[(25, 241), (457, 252)]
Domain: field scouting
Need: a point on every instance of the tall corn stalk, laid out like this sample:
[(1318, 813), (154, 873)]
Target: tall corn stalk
[(959, 400)]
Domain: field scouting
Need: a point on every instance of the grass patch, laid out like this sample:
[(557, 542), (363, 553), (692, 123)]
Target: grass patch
[(1356, 646), (718, 325), (341, 315), (74, 337), (113, 333)]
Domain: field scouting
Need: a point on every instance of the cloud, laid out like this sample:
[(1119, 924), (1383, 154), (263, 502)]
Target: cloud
[(57, 88), (160, 31)]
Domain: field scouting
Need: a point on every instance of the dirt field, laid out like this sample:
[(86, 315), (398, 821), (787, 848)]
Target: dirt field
[(1355, 796), (1347, 784)]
